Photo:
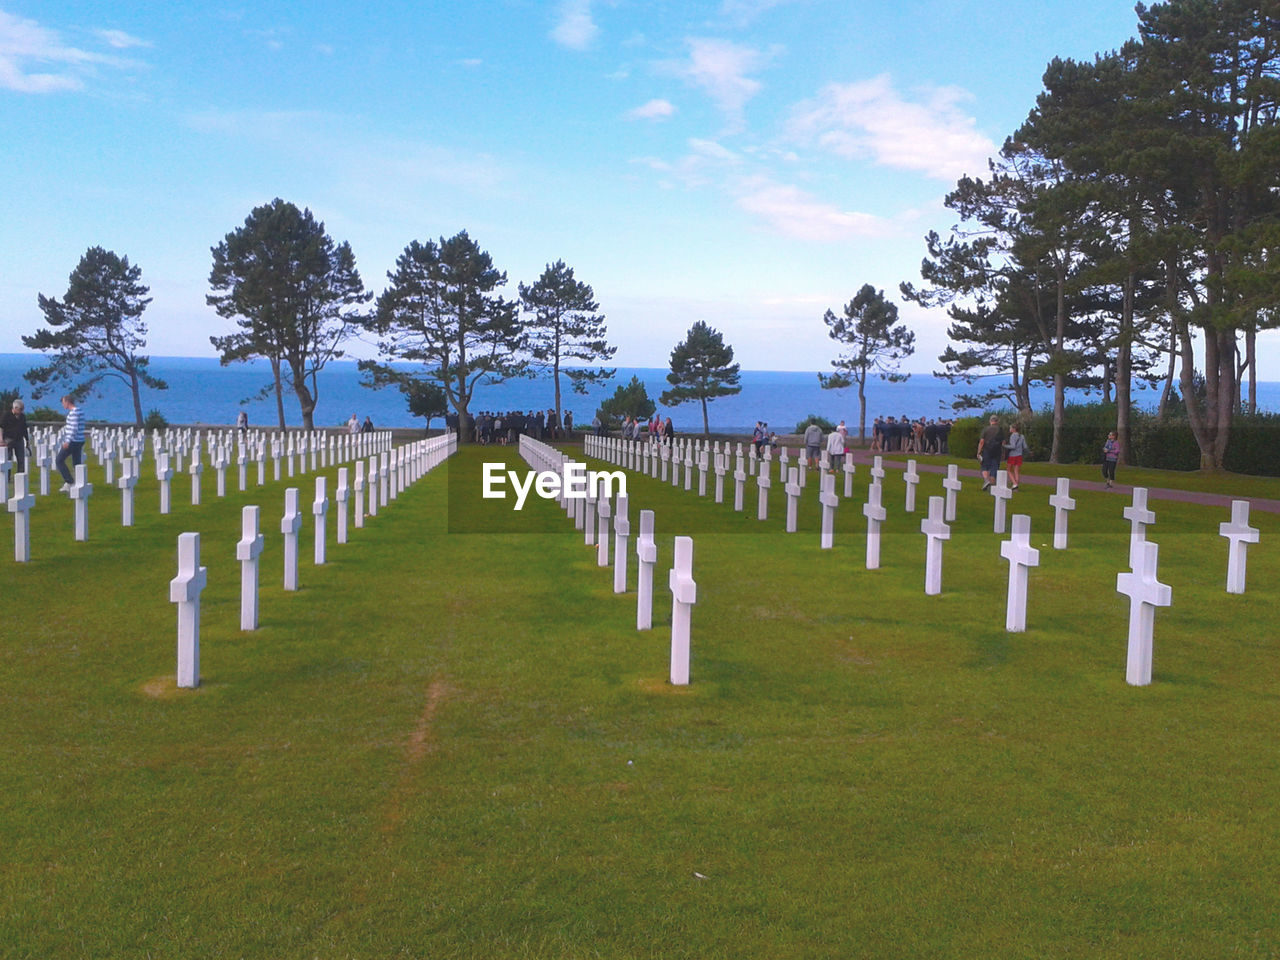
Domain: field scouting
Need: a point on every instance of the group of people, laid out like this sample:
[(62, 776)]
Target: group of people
[(892, 434), (502, 428), (354, 425), (17, 439), (834, 444), (994, 445), (633, 428)]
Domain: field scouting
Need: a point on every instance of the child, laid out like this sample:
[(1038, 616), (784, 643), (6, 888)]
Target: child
[(1017, 447), (1110, 456)]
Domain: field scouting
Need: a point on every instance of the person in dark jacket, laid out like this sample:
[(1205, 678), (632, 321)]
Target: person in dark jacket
[(17, 435)]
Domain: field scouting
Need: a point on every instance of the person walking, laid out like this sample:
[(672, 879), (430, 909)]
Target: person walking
[(990, 446), (1016, 446), (72, 442), (17, 435), (1110, 457)]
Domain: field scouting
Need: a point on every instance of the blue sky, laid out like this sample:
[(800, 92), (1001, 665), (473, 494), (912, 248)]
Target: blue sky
[(749, 163)]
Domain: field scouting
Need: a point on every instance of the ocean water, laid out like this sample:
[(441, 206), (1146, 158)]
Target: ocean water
[(203, 392)]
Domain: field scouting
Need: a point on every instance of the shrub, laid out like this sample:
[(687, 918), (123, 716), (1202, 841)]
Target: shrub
[(963, 441), (1254, 446), (826, 425), (46, 414), (155, 420)]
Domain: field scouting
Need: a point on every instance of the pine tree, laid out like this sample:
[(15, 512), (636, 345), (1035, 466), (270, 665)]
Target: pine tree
[(565, 326), (96, 330), (877, 344), (702, 369)]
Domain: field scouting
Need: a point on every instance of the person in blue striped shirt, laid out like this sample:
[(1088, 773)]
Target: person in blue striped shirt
[(72, 437)]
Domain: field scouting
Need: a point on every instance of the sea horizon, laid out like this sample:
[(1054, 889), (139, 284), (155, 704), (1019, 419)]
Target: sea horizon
[(202, 392)]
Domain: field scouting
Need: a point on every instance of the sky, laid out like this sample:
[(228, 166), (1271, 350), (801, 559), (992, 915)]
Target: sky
[(747, 163)]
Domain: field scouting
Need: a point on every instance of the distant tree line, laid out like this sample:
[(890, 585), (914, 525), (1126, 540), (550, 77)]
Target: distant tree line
[(442, 326)]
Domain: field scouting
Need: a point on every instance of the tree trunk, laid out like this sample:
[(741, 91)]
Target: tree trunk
[(137, 400), (275, 372), (1124, 370), (555, 370), (706, 428), (862, 414)]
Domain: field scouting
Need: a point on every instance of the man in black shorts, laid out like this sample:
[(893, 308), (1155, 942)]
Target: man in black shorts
[(990, 446)]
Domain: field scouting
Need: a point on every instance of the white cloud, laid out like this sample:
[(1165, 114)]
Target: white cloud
[(574, 29), (653, 110), (25, 44), (794, 213), (721, 68), (120, 40), (871, 119)]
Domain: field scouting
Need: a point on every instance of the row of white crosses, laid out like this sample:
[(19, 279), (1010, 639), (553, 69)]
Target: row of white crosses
[(595, 507), (402, 466), (1139, 584), (653, 458), (81, 489)]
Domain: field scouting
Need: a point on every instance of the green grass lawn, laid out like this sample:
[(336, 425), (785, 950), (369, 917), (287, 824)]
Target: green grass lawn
[(451, 744)]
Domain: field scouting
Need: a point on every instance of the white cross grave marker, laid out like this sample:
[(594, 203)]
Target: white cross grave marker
[(739, 484), (184, 590), (81, 491), (128, 480), (320, 510), (1239, 535), (20, 505), (848, 475), (359, 508), (341, 496), (603, 512), (877, 469), (1145, 593), (248, 550), (936, 530), (763, 483), (952, 486), (1001, 492), (911, 477), (289, 526), (720, 472), (1021, 556), (792, 489), (1062, 502), (827, 497), (164, 473), (875, 513), (647, 554), (1139, 517), (195, 470), (684, 594), (621, 531)]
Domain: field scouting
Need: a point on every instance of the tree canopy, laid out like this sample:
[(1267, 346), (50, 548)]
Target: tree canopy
[(442, 313), (877, 345), (702, 369), (564, 325), (95, 330), (294, 294)]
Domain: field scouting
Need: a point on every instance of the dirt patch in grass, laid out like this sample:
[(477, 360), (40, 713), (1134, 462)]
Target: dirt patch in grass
[(659, 685), (420, 744), (160, 688)]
